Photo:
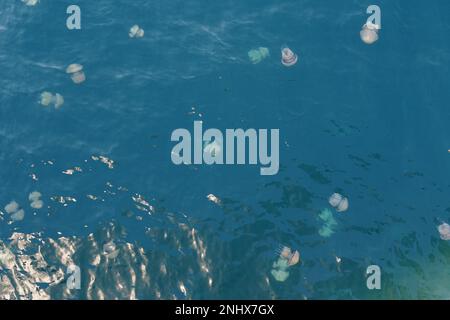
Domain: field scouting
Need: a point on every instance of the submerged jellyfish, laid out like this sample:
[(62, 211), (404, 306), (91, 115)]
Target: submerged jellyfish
[(286, 260), (48, 98), (444, 231), (11, 207), (334, 199), (369, 33), (280, 275), (327, 229), (18, 216), (37, 204), (258, 55), (288, 57), (339, 202), (136, 32), (30, 2), (76, 73)]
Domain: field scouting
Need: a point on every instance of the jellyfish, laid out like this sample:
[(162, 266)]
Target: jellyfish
[(327, 229), (34, 196), (292, 258), (288, 58), (48, 98), (76, 73), (280, 275), (258, 55), (369, 33), (58, 100), (18, 216), (11, 207), (334, 199), (136, 32), (37, 204), (339, 202), (444, 231), (30, 2)]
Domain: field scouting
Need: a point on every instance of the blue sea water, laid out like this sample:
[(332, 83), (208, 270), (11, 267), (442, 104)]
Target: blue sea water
[(370, 122)]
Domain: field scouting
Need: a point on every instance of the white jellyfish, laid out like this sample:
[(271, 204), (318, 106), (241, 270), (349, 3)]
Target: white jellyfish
[(339, 202), (35, 195), (11, 207), (58, 100), (48, 98), (258, 55), (37, 204), (136, 32), (18, 216), (30, 2), (288, 57), (334, 199), (343, 205), (444, 231), (76, 73), (369, 33)]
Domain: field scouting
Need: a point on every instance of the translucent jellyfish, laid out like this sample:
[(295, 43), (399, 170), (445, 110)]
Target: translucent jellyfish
[(288, 58), (58, 100), (292, 258), (343, 205), (30, 2), (37, 204), (369, 33), (444, 231), (11, 207), (76, 73), (329, 223), (258, 55), (136, 32), (339, 202), (46, 98), (334, 199), (35, 195), (18, 216), (280, 275)]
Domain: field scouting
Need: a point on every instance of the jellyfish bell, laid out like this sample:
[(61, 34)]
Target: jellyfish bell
[(294, 259), (444, 231), (73, 68), (12, 207), (37, 204), (255, 56), (58, 100), (288, 57), (76, 73), (35, 195), (46, 98), (280, 275), (335, 199), (136, 32), (18, 216), (369, 33), (342, 206)]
